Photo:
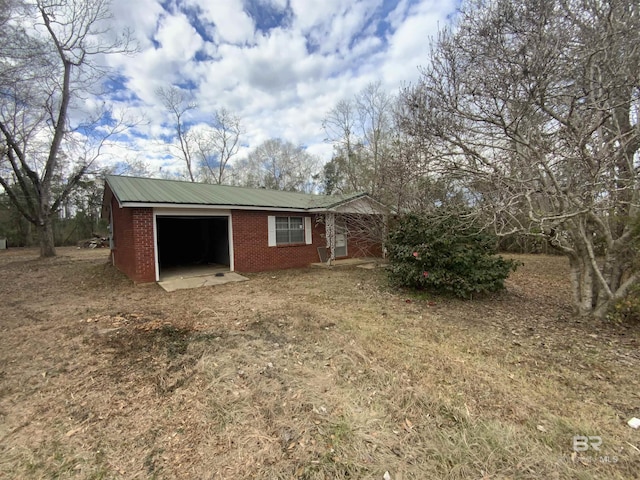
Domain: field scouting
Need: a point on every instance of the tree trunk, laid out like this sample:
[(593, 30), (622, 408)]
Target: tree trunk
[(589, 296), (582, 284), (47, 241), (614, 268)]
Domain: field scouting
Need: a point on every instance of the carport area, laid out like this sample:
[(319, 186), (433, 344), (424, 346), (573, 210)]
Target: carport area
[(191, 246)]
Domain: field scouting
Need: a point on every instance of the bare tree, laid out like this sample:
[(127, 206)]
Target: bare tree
[(362, 132), (375, 108), (218, 143), (340, 127), (49, 60), (279, 165), (206, 149), (532, 107), (178, 104)]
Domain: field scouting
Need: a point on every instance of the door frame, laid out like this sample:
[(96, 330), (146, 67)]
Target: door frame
[(341, 231), (190, 212)]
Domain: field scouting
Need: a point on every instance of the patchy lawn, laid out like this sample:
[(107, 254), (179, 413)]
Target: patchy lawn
[(307, 374)]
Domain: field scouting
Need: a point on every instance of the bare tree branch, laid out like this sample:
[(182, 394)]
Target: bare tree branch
[(55, 62), (533, 108)]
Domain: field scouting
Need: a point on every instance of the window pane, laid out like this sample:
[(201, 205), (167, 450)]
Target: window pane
[(297, 236), (295, 223), (289, 230)]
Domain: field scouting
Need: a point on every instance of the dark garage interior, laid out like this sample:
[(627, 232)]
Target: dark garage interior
[(192, 241)]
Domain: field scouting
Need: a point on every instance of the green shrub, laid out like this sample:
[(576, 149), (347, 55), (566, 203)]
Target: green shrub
[(445, 253), (627, 310)]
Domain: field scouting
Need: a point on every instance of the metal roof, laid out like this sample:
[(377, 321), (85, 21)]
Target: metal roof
[(136, 190)]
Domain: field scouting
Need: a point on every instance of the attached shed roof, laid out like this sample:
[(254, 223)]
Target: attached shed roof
[(131, 191)]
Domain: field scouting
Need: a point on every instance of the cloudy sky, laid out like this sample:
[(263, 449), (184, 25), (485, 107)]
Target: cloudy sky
[(278, 64)]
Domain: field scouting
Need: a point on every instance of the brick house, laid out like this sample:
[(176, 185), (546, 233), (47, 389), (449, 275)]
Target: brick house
[(157, 225)]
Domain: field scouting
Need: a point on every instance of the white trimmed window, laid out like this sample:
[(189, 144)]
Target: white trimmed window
[(289, 231)]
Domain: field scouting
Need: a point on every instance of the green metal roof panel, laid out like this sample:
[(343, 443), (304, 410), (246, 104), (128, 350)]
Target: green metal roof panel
[(152, 190)]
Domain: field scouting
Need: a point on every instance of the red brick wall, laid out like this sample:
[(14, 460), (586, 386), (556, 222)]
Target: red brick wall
[(250, 243), (133, 242), (144, 245), (133, 251)]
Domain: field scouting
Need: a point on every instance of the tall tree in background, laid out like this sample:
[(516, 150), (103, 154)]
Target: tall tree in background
[(532, 106), (278, 165), (361, 132), (48, 62), (375, 110), (217, 144), (341, 173), (205, 148), (371, 153), (178, 104)]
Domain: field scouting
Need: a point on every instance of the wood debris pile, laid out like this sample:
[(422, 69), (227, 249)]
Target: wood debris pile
[(95, 242)]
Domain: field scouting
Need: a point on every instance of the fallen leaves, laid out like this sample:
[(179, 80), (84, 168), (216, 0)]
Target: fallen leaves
[(408, 426)]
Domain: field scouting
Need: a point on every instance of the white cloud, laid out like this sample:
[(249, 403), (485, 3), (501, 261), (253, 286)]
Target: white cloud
[(141, 16), (281, 82), (409, 45), (346, 27), (312, 13), (279, 4), (232, 24), (177, 37)]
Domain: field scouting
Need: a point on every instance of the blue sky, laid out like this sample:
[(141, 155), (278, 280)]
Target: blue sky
[(280, 65)]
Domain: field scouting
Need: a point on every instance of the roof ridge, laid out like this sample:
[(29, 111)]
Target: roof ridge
[(186, 182), (159, 190)]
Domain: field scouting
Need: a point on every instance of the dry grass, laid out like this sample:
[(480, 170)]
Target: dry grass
[(307, 374)]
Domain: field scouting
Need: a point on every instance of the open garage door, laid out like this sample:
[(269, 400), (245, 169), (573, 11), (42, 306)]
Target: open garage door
[(192, 244)]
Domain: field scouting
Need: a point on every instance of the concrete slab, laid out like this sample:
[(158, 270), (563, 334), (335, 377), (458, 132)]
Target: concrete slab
[(349, 262), (368, 266), (186, 271), (182, 283)]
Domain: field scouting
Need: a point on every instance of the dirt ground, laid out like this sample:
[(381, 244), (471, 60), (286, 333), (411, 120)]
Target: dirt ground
[(307, 374)]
